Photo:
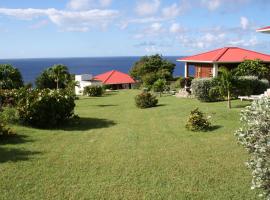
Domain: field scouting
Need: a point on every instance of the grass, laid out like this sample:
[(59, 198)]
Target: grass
[(121, 152)]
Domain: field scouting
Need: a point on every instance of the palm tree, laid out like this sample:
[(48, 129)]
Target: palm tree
[(226, 79), (59, 73)]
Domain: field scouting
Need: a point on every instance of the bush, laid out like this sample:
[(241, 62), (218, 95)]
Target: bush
[(146, 100), (9, 115), (254, 135), (205, 89), (197, 121), (93, 91), (8, 97), (45, 108), (251, 85), (4, 130)]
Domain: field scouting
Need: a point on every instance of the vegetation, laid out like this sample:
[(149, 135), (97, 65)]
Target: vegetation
[(45, 108), (197, 121), (151, 68), (10, 77), (253, 68), (255, 137), (93, 91), (146, 100), (138, 154), (250, 85), (54, 77), (159, 86), (226, 81)]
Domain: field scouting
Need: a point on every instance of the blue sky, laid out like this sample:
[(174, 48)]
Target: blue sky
[(90, 28)]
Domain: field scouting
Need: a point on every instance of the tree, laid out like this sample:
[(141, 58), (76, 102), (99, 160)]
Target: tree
[(159, 86), (10, 77), (225, 83), (253, 68), (54, 77), (151, 68)]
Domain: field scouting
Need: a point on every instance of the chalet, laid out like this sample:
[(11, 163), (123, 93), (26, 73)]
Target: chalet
[(207, 64)]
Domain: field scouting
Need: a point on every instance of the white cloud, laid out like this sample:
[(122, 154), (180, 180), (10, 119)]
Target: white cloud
[(171, 11), (66, 20), (39, 24), (147, 7), (87, 4), (244, 22), (211, 4), (176, 28), (105, 3)]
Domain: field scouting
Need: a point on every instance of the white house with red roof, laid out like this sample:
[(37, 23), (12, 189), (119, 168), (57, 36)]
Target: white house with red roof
[(264, 29), (113, 79), (207, 64)]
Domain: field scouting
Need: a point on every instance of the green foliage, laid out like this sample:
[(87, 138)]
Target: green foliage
[(254, 135), (204, 89), (45, 108), (54, 77), (146, 100), (197, 121), (151, 68), (9, 115), (250, 85), (4, 130), (10, 77), (93, 91), (159, 86), (253, 68), (8, 97)]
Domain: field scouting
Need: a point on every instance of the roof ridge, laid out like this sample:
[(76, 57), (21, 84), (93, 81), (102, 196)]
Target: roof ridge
[(225, 49), (112, 72)]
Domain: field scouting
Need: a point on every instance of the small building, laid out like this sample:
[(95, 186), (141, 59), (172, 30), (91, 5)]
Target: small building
[(264, 29), (83, 81), (116, 80), (207, 64)]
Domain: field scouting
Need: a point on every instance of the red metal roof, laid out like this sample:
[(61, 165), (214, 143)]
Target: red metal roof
[(227, 54), (264, 29), (114, 77)]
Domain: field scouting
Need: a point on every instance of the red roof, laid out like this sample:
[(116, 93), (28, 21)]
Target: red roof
[(264, 29), (227, 54), (114, 77)]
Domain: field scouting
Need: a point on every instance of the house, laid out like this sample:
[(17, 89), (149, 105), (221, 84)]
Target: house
[(83, 81), (264, 29), (116, 80), (207, 64)]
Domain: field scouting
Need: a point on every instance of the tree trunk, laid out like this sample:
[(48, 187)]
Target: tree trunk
[(57, 84), (229, 100)]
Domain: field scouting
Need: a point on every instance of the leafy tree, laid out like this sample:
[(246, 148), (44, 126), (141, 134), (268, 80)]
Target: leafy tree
[(10, 77), (253, 68), (159, 86), (55, 77), (151, 68), (225, 83)]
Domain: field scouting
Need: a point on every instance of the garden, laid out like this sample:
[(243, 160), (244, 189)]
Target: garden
[(133, 144)]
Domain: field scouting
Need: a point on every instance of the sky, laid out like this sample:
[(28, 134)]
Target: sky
[(97, 28)]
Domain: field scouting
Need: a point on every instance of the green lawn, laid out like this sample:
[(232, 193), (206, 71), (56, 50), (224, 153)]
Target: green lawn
[(121, 152)]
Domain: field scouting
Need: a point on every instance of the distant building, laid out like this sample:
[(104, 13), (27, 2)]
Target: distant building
[(207, 64), (264, 29), (116, 80), (83, 81)]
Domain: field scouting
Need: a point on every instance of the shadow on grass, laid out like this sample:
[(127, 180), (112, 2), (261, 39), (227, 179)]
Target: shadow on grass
[(214, 127), (160, 105), (14, 139), (15, 155), (106, 105), (87, 124)]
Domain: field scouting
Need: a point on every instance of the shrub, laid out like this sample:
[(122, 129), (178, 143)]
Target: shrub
[(197, 121), (93, 91), (254, 135), (201, 89), (45, 108), (8, 97), (159, 86), (251, 85), (146, 100), (4, 130), (9, 115)]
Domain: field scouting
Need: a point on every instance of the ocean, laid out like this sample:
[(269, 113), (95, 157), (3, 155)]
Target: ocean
[(31, 68)]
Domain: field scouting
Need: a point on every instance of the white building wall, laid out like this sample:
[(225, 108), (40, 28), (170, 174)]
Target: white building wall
[(83, 81)]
